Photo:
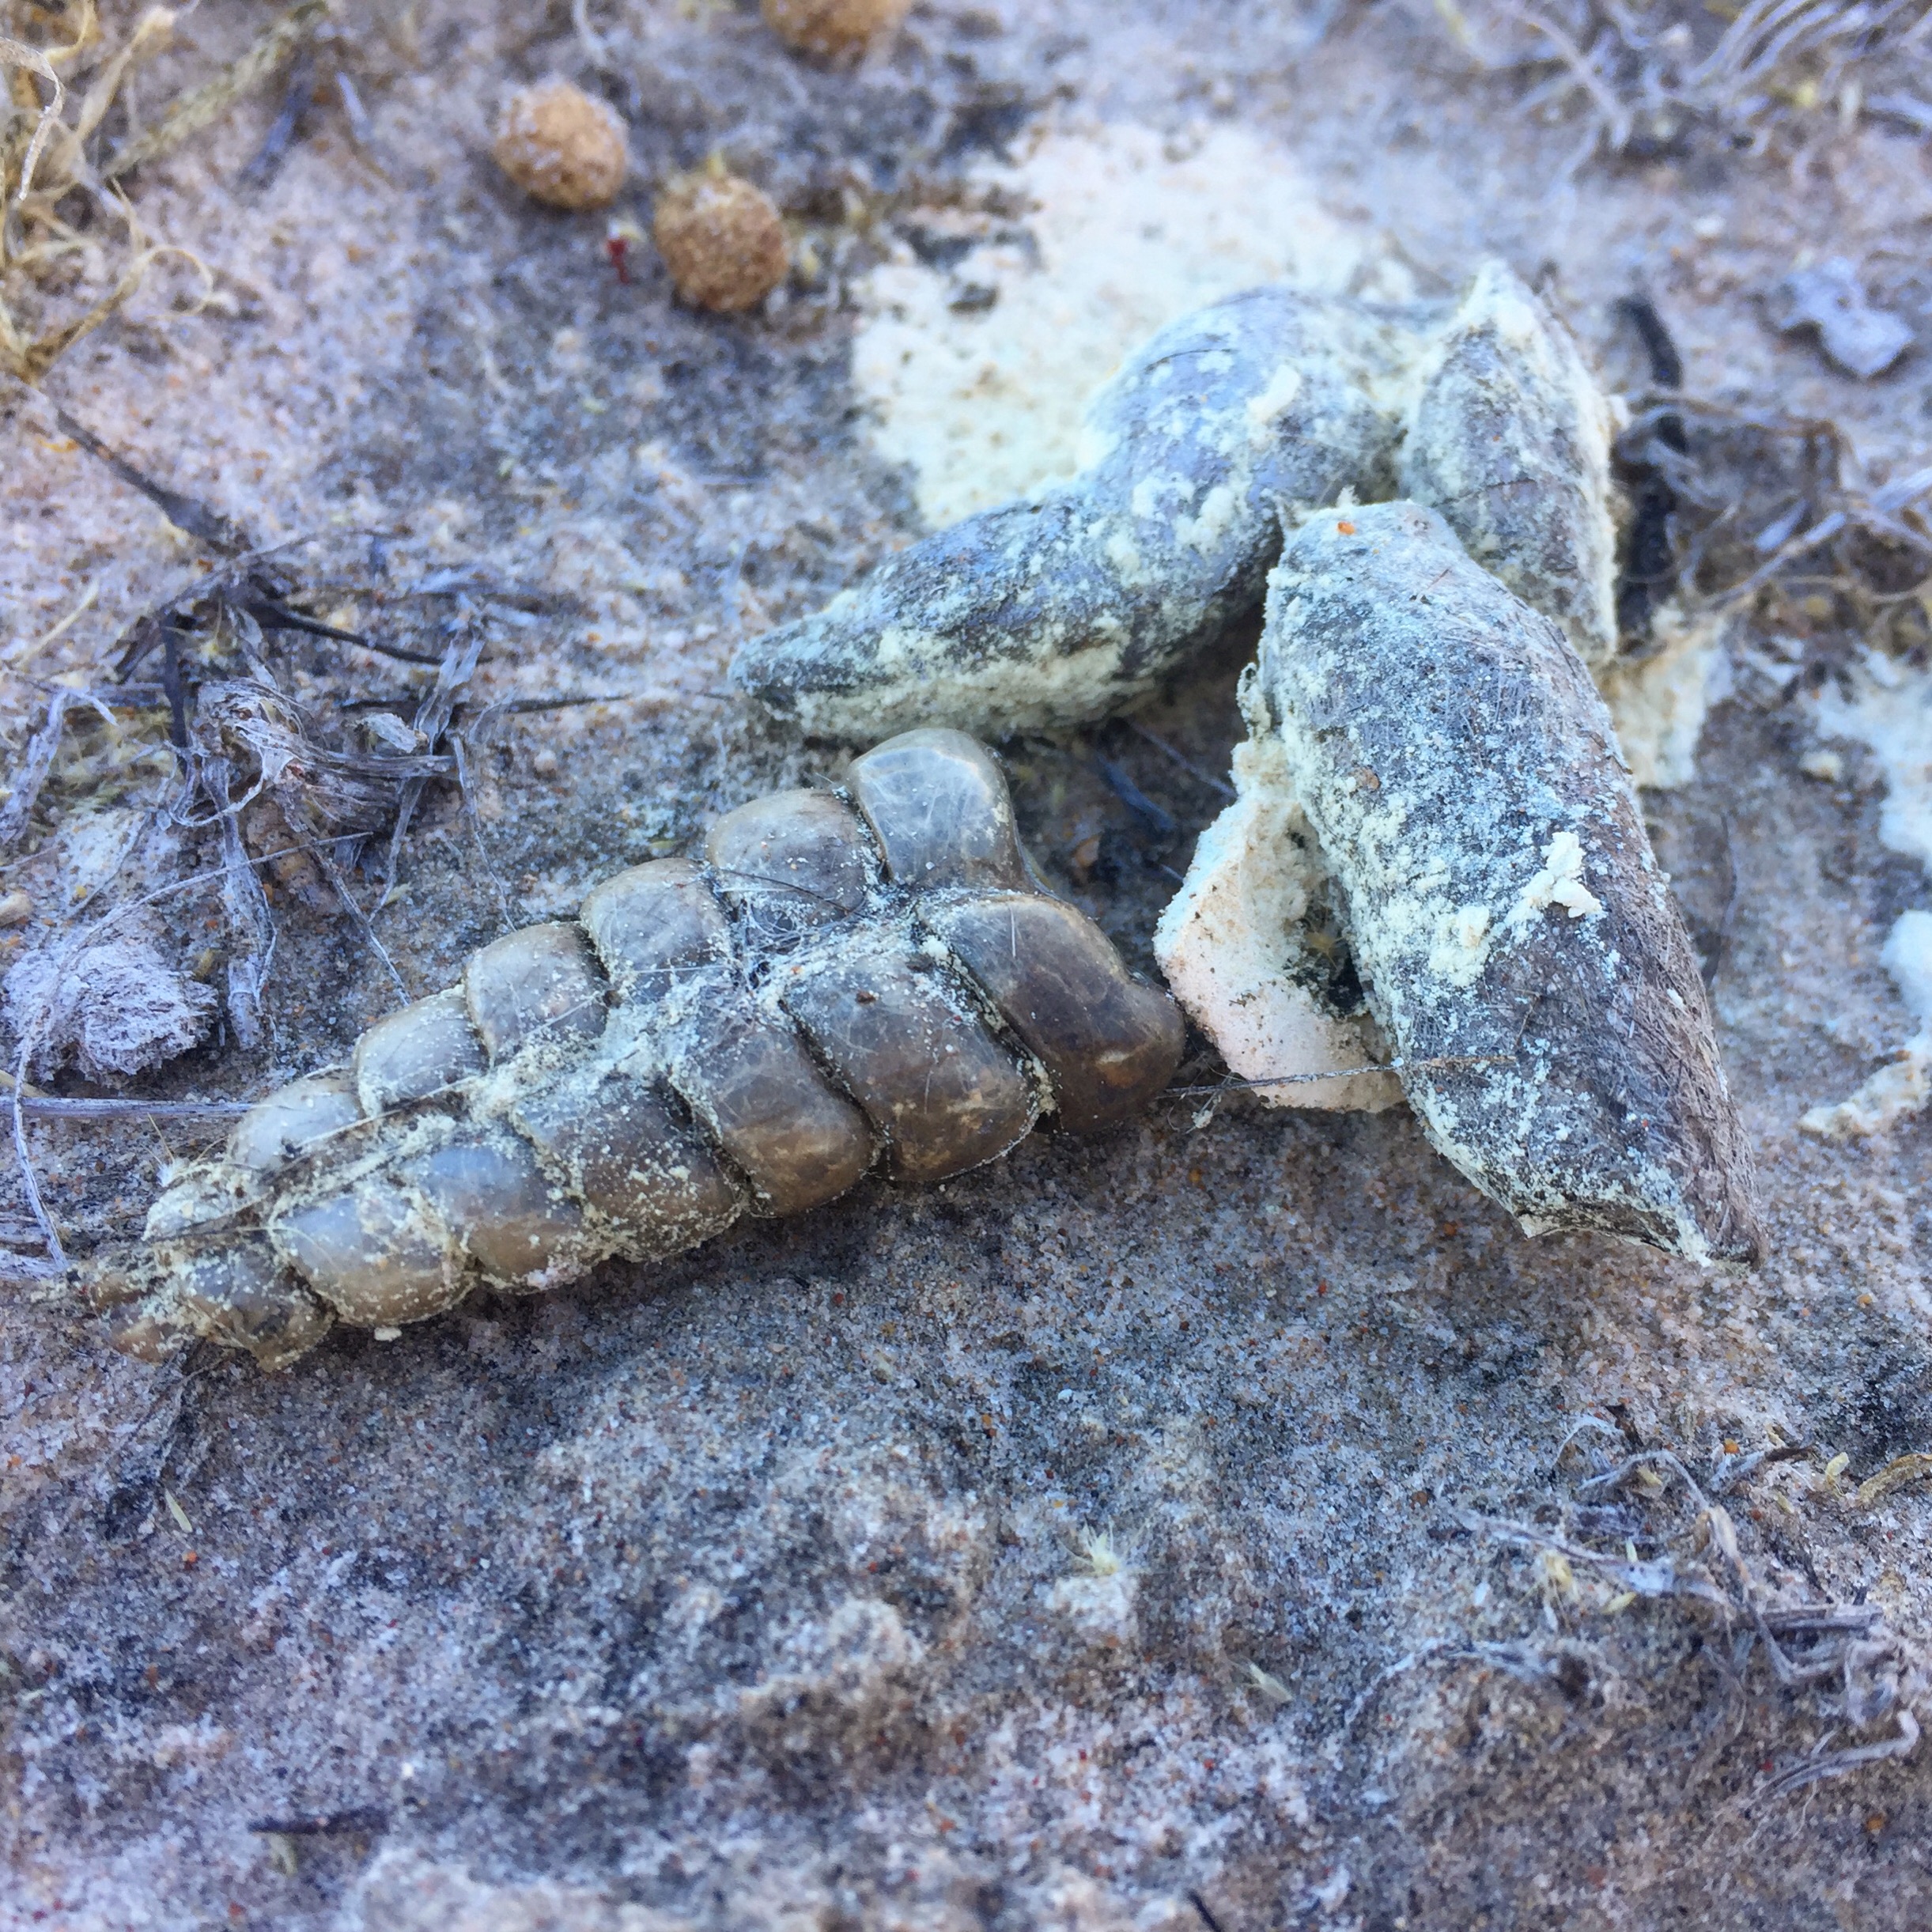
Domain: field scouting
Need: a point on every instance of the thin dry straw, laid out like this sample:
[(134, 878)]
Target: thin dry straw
[(1350, 1073)]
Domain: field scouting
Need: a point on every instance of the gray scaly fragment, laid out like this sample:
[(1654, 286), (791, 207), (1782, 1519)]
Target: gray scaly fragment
[(1517, 939), (1510, 441), (1071, 605)]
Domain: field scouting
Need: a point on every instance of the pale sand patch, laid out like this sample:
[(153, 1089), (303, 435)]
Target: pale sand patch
[(1125, 232)]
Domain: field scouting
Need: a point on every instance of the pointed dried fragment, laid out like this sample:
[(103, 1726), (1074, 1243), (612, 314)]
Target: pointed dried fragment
[(1510, 441), (1071, 604), (1507, 913)]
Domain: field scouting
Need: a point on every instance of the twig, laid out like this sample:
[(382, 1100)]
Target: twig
[(49, 1107), (42, 748), (1187, 765)]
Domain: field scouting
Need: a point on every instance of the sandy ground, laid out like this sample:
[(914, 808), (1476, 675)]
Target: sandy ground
[(1098, 1541)]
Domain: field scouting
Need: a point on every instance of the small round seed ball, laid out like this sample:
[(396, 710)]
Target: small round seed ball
[(833, 26), (562, 146), (722, 239)]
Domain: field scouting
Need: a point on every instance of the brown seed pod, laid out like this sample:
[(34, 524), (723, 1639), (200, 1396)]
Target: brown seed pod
[(836, 979), (722, 239), (834, 26), (562, 146)]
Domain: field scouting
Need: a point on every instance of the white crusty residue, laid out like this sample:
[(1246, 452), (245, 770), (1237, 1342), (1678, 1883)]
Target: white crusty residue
[(1888, 707), (1265, 410), (1561, 882), (1894, 1092), (1462, 943), (1231, 936), (1659, 703)]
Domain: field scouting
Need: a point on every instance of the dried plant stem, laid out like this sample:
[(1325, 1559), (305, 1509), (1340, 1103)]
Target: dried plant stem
[(208, 103), (50, 1107)]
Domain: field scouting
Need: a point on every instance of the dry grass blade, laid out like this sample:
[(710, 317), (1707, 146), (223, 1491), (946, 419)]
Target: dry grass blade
[(250, 925), (1900, 1471), (208, 102), (17, 54), (472, 819), (460, 658), (40, 246), (1771, 74), (1842, 1659), (187, 513)]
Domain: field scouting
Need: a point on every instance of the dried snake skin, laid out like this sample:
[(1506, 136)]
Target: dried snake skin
[(835, 978), (1501, 896), (1070, 605)]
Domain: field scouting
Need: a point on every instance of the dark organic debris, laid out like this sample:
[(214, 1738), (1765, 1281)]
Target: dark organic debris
[(1647, 568), (1733, 504)]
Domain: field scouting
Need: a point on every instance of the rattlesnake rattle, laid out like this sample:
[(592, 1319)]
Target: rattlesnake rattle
[(836, 978)]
